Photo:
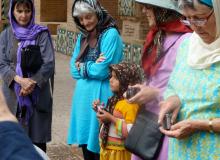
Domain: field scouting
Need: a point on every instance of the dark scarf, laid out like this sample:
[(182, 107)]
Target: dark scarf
[(26, 36), (127, 74), (167, 21), (105, 22)]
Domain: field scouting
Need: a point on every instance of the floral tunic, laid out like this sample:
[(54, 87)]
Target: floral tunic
[(199, 92)]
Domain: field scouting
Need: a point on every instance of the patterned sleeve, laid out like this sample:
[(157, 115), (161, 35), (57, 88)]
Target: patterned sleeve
[(111, 51)]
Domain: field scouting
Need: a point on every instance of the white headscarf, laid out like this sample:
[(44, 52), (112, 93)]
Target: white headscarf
[(202, 55)]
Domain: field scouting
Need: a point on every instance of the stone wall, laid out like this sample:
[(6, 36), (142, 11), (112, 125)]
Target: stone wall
[(57, 16), (131, 23)]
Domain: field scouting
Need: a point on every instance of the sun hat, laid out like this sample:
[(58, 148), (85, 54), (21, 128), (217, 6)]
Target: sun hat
[(168, 4)]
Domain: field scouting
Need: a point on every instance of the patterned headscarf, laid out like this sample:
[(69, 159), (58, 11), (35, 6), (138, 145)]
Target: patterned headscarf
[(127, 74), (105, 21)]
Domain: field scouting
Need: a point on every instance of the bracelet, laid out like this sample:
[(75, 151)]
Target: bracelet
[(210, 125)]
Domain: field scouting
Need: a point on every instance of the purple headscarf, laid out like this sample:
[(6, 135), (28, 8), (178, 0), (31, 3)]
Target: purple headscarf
[(26, 36)]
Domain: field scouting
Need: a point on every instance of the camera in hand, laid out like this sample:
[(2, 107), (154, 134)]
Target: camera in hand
[(131, 91), (98, 107), (167, 121)]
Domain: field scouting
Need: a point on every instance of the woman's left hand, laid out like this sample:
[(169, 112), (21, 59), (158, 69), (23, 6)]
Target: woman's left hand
[(77, 64), (101, 58), (24, 92), (180, 130)]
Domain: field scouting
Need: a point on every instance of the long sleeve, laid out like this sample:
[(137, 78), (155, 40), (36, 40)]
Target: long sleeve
[(123, 125), (15, 144), (47, 52), (73, 70), (111, 47), (7, 68)]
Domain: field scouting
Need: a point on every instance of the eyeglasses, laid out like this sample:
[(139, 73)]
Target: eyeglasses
[(199, 22)]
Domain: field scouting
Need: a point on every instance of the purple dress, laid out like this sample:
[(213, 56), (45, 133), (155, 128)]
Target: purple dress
[(160, 80)]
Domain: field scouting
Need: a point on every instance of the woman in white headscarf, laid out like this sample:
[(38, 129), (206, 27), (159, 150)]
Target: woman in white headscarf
[(193, 93)]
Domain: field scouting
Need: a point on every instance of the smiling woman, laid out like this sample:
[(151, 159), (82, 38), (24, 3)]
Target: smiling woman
[(98, 45)]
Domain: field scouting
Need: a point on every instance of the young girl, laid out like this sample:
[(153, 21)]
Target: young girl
[(118, 116)]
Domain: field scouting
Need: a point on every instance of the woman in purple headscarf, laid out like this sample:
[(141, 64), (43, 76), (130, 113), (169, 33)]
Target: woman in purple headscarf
[(28, 93)]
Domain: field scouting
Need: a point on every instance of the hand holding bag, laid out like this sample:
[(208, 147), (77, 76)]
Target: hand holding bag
[(145, 138), (31, 60)]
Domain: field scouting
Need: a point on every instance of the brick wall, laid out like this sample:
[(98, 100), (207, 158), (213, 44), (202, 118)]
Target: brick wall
[(53, 11)]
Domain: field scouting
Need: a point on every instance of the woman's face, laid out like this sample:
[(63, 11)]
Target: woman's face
[(207, 31), (114, 82), (148, 11), (22, 14), (88, 21)]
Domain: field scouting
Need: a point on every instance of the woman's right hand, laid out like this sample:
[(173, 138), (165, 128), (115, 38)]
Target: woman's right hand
[(145, 94), (170, 105), (26, 83)]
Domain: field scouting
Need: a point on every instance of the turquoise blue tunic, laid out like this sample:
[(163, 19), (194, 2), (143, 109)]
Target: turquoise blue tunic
[(199, 92), (92, 83)]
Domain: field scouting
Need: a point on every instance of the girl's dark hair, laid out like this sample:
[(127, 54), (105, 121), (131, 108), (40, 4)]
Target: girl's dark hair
[(27, 3)]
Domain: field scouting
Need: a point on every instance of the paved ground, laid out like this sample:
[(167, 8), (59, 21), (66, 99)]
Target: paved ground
[(57, 149)]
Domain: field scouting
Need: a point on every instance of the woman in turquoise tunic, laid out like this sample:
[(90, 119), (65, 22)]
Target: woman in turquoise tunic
[(98, 45), (193, 93)]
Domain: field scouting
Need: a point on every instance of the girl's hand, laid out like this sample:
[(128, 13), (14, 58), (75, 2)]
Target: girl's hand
[(180, 130), (95, 105), (105, 117), (145, 94)]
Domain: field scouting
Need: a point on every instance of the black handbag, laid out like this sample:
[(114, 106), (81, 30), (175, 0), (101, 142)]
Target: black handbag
[(145, 139), (31, 59)]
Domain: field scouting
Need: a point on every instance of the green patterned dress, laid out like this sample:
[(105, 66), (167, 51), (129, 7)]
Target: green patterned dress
[(199, 92)]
